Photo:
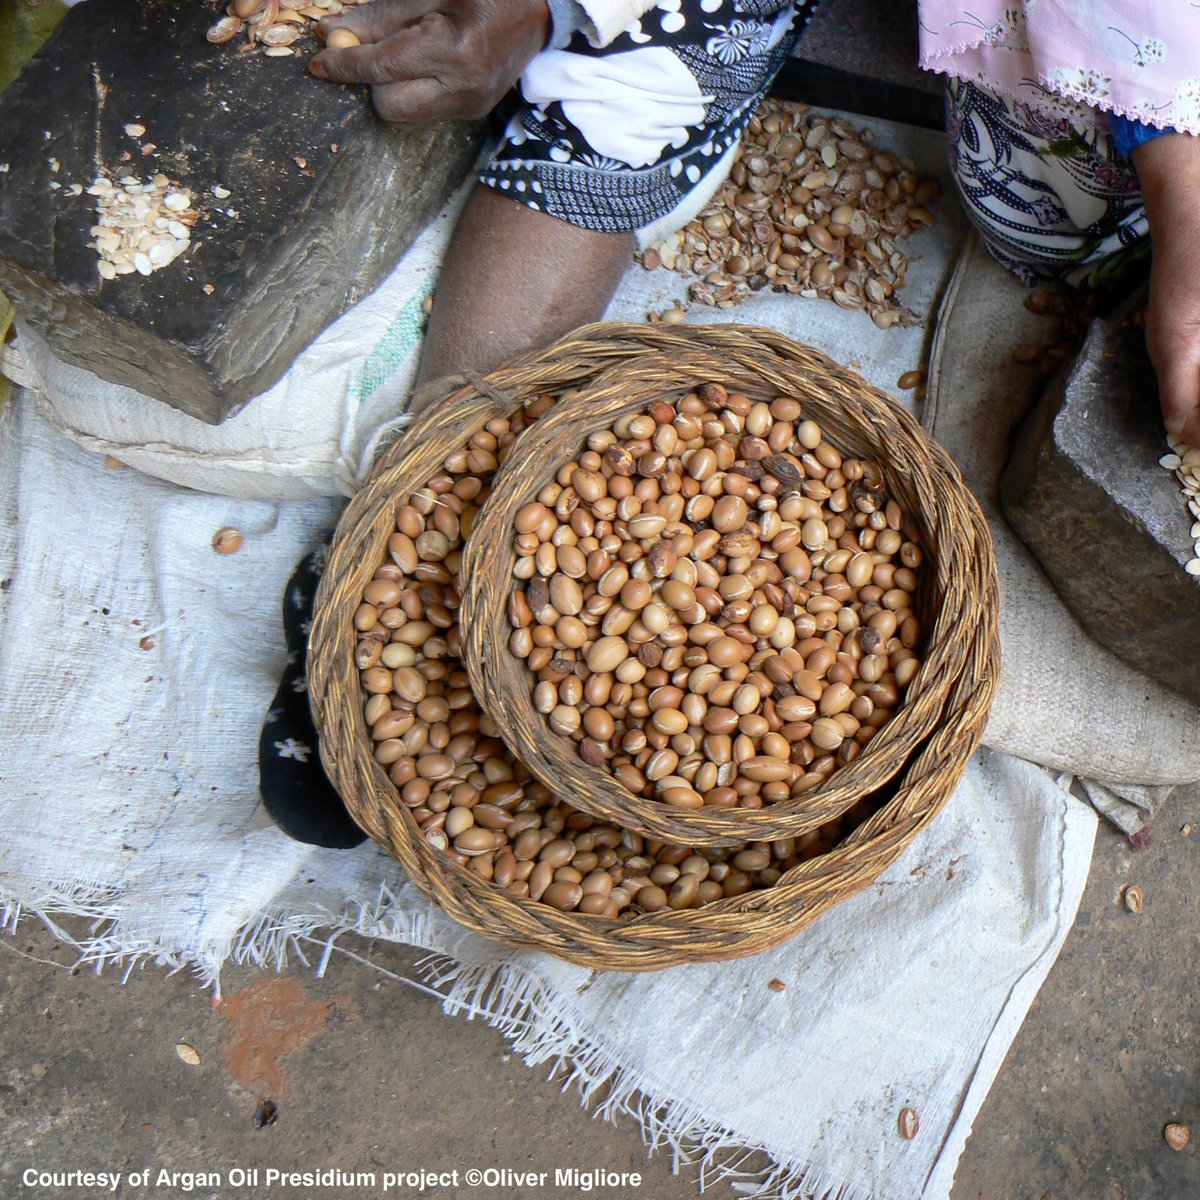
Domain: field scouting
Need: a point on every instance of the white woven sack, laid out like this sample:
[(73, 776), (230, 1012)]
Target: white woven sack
[(309, 435)]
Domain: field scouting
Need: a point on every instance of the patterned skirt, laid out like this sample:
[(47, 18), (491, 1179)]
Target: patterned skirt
[(1051, 195)]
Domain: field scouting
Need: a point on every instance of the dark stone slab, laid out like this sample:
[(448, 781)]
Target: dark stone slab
[(1084, 491), (324, 199)]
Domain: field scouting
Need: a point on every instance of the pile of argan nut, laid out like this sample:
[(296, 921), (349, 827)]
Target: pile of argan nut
[(272, 26), (141, 225), (715, 602), (812, 208), (1184, 460), (470, 798)]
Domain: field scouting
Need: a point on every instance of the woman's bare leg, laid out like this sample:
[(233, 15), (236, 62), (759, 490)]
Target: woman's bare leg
[(515, 278)]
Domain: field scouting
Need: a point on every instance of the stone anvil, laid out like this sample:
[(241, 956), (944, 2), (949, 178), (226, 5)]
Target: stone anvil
[(317, 200), (1085, 492)]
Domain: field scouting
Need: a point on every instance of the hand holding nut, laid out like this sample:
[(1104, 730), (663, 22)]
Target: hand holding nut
[(429, 60)]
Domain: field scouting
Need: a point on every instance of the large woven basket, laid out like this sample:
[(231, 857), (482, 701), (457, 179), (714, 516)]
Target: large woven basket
[(729, 928), (762, 364)]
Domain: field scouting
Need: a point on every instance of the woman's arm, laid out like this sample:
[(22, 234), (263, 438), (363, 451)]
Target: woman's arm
[(1169, 168)]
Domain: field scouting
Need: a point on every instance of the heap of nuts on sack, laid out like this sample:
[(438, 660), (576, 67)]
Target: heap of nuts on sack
[(716, 603), (469, 796), (811, 207)]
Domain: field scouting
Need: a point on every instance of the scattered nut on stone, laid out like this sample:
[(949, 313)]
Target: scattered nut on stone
[(811, 207), (141, 226), (1184, 461), (908, 1124), (227, 540), (147, 643), (777, 985), (910, 380), (1135, 899), (1176, 1135), (273, 25)]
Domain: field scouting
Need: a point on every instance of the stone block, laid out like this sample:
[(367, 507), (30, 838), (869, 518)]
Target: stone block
[(323, 200), (1109, 526)]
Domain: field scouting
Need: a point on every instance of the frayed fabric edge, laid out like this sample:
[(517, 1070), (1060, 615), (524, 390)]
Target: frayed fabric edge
[(505, 995)]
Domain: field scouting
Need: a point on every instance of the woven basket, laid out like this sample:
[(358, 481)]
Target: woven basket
[(855, 417), (729, 928)]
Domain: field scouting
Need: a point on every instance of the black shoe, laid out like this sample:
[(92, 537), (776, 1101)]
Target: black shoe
[(295, 790)]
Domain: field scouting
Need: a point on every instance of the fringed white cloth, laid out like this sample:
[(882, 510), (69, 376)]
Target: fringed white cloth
[(128, 797)]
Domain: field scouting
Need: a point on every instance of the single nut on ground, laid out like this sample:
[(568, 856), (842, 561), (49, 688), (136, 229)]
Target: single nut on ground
[(1135, 898), (1176, 1135), (908, 1124), (227, 540)]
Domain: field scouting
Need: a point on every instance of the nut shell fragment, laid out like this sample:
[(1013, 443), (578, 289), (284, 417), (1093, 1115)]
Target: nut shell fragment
[(225, 30)]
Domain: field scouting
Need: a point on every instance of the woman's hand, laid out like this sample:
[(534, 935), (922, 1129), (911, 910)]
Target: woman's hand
[(426, 60), (1169, 168)]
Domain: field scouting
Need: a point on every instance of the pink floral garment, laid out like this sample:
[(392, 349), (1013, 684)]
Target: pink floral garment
[(1074, 58)]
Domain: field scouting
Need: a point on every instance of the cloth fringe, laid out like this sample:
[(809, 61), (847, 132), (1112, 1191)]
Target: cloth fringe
[(506, 995)]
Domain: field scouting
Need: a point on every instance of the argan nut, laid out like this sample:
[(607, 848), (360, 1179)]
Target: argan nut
[(1135, 899), (909, 380), (188, 1055), (342, 39), (777, 985), (908, 1124), (1176, 1135), (227, 540)]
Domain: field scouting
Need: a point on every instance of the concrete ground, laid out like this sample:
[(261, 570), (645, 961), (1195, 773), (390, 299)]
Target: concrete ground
[(365, 1073)]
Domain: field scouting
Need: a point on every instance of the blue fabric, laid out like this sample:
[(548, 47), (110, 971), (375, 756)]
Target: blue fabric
[(566, 17), (1127, 134)]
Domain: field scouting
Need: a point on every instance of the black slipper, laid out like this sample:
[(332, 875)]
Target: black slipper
[(295, 790)]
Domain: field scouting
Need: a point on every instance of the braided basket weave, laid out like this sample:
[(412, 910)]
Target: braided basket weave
[(859, 420), (916, 786)]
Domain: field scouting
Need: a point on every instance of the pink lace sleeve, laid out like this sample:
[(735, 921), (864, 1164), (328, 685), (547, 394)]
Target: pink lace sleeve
[(1139, 58)]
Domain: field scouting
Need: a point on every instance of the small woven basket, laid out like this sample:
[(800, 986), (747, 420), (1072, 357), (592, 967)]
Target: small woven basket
[(858, 419)]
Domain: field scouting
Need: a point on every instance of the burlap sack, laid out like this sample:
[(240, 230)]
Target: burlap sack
[(1063, 700)]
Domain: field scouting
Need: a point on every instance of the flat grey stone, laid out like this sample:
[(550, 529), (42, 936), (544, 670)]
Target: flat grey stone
[(1085, 492), (324, 199)]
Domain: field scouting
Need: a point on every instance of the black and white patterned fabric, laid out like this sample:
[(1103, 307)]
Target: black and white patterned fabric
[(616, 139)]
